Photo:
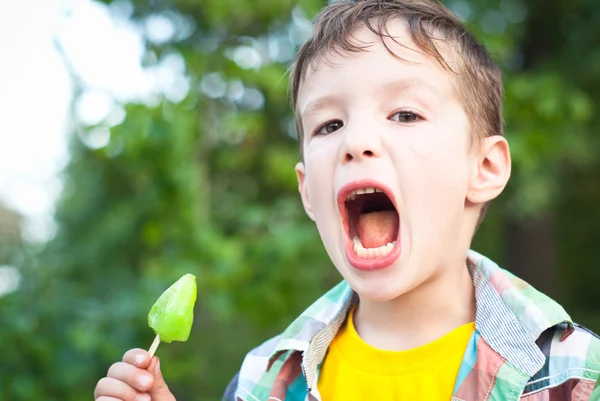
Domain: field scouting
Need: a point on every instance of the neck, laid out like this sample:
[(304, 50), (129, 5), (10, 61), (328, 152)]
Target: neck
[(420, 316)]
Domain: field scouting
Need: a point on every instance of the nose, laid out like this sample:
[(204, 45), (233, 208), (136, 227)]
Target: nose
[(349, 156), (360, 145)]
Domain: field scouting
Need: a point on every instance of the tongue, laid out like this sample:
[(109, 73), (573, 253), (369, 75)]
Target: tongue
[(377, 228)]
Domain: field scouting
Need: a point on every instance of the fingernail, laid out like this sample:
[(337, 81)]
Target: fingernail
[(158, 365), (139, 359), (144, 380), (142, 397)]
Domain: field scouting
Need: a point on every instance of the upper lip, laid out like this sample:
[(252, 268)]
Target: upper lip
[(348, 189)]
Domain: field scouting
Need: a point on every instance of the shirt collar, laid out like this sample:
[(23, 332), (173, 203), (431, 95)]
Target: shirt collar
[(510, 317)]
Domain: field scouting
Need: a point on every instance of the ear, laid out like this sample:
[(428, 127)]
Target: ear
[(301, 175), (491, 171)]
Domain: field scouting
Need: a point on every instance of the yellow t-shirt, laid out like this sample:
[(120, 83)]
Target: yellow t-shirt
[(353, 370)]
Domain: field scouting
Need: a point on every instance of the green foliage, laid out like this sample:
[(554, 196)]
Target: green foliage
[(207, 186)]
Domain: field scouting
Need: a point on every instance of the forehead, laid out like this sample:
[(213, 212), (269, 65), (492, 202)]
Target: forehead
[(338, 70)]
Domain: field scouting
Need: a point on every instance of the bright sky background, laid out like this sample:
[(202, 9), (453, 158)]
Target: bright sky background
[(104, 49), (35, 92), (42, 42), (51, 47)]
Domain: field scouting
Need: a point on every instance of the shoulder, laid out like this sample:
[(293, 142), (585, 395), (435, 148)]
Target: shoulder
[(576, 342), (256, 373), (253, 367), (585, 344), (328, 309), (257, 359), (231, 388), (572, 360)]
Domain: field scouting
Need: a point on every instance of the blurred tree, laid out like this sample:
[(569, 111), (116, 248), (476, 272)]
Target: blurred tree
[(10, 225), (550, 120), (203, 185), (203, 182)]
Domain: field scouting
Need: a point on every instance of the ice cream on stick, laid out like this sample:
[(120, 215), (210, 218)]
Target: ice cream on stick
[(172, 314)]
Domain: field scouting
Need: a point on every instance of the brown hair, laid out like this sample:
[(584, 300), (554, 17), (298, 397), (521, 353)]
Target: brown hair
[(479, 79)]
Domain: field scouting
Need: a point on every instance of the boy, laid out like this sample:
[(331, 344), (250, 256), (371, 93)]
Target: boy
[(400, 126)]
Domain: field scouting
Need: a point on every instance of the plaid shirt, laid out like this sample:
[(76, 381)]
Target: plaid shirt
[(524, 347)]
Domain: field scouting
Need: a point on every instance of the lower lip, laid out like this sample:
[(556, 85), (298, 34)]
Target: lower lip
[(372, 264)]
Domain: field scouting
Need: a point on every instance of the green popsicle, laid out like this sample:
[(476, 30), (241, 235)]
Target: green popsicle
[(172, 315)]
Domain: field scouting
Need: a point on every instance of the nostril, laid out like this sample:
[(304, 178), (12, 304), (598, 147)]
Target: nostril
[(368, 153), (348, 157)]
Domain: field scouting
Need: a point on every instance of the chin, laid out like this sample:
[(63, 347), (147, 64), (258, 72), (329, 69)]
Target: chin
[(380, 285), (377, 292)]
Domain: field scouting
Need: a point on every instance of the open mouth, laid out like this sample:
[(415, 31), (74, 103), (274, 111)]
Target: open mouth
[(371, 222)]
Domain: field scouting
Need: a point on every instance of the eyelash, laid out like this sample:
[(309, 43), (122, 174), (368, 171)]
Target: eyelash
[(417, 117), (320, 127)]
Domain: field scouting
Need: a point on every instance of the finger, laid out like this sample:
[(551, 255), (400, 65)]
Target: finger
[(137, 357), (135, 377), (160, 390), (113, 388), (145, 397)]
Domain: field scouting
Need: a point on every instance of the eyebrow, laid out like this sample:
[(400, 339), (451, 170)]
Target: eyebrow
[(400, 85), (408, 84), (319, 104)]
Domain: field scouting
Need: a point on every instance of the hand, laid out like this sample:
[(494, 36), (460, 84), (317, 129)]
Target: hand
[(137, 378)]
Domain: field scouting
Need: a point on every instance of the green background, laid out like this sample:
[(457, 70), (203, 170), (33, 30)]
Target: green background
[(206, 185)]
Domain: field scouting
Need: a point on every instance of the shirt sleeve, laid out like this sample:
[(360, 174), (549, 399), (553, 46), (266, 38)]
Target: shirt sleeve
[(596, 392), (231, 388)]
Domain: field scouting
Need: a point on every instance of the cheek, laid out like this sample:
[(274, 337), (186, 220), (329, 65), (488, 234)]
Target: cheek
[(447, 170), (320, 173), (319, 187), (433, 182)]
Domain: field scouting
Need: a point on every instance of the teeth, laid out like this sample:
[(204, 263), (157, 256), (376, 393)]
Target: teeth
[(361, 191), (372, 253)]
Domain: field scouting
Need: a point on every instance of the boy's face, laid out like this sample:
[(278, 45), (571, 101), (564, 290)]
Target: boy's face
[(373, 121)]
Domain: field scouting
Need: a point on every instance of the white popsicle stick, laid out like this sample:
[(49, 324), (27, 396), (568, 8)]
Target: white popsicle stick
[(154, 346)]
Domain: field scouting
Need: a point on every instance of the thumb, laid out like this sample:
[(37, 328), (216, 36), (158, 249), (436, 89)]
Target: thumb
[(160, 390)]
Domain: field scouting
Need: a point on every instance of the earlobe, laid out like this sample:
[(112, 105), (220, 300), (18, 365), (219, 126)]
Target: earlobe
[(492, 170), (302, 188)]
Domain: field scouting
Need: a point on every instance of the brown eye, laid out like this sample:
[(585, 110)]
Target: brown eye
[(405, 117), (329, 127)]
